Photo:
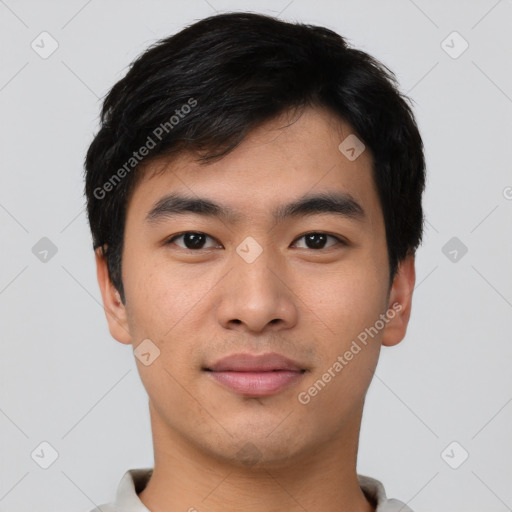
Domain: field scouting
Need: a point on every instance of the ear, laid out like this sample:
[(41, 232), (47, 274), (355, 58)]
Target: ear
[(115, 310), (399, 302)]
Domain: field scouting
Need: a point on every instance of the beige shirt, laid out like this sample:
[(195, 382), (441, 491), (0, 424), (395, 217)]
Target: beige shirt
[(134, 481)]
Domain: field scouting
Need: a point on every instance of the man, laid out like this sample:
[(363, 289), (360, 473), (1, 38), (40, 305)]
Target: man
[(254, 195)]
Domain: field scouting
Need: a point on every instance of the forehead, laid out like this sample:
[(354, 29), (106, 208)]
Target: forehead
[(287, 157)]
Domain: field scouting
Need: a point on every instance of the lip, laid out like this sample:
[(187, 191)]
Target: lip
[(256, 375)]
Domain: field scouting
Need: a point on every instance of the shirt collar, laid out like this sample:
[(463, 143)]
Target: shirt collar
[(134, 481)]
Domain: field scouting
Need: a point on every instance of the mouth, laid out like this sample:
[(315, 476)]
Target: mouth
[(256, 375)]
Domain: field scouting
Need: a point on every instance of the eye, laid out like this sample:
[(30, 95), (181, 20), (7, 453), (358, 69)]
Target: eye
[(196, 240), (317, 240), (192, 240)]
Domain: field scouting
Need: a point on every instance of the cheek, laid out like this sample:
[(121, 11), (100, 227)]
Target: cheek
[(348, 355), (346, 300), (158, 296), (167, 306), (162, 301)]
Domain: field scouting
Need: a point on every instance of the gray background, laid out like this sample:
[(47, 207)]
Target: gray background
[(65, 381)]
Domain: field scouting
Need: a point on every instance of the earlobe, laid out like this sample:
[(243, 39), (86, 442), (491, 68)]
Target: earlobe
[(115, 310), (400, 303)]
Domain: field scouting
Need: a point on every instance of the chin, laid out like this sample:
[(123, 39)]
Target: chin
[(257, 449)]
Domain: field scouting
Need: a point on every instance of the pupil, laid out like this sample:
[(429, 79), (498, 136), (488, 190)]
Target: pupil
[(194, 240), (312, 244)]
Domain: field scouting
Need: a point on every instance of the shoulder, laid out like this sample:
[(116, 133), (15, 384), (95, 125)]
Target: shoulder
[(375, 492)]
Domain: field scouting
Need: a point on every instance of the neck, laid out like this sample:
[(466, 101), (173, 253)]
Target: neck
[(187, 478)]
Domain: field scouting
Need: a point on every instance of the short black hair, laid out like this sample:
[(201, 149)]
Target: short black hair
[(205, 88)]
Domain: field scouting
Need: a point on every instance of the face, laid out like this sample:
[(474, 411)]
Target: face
[(256, 311)]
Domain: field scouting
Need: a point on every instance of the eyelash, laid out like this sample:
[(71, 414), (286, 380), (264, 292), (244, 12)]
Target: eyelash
[(179, 235)]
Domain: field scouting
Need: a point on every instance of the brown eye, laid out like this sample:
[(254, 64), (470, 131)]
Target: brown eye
[(192, 240), (318, 240)]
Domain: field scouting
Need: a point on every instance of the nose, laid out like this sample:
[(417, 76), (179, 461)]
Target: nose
[(257, 296)]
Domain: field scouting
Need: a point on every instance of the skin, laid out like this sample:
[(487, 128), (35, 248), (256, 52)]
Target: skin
[(216, 450)]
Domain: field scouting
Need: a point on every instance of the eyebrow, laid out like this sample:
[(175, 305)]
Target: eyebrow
[(339, 203)]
